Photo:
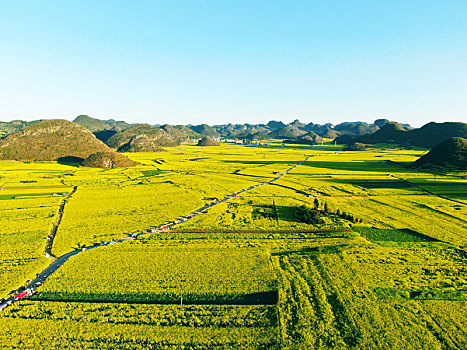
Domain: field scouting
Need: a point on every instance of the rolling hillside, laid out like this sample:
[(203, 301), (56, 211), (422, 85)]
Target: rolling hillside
[(452, 152), (50, 140), (141, 138)]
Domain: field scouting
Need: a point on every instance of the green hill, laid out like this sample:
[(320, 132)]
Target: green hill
[(108, 160), (50, 140), (427, 136), (345, 139), (312, 137), (432, 134), (205, 130), (391, 132), (288, 132), (142, 143), (274, 125), (92, 124), (141, 138), (7, 128), (357, 146), (118, 125), (207, 141), (450, 153), (329, 134), (355, 128), (181, 133), (242, 131)]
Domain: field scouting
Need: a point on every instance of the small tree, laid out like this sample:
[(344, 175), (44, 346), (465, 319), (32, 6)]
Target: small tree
[(326, 208), (316, 203)]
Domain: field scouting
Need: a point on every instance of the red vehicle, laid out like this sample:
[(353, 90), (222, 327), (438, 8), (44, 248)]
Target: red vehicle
[(234, 195), (165, 227), (21, 295)]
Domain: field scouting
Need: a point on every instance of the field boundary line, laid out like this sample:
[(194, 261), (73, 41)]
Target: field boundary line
[(427, 191), (261, 231), (30, 287)]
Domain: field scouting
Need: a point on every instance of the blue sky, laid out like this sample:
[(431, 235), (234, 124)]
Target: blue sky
[(215, 62)]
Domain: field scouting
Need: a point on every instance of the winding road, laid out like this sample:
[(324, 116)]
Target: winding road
[(53, 232), (31, 286)]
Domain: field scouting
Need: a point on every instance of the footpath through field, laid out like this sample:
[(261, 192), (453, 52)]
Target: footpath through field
[(31, 286)]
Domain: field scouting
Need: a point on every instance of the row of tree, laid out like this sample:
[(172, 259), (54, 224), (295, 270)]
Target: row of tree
[(313, 215)]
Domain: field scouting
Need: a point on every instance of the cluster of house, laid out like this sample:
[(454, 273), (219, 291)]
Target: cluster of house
[(250, 143)]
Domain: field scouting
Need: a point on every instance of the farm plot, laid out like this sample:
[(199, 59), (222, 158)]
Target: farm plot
[(431, 272), (389, 286), (98, 213), (137, 326), (427, 215), (144, 273), (62, 334), (331, 300), (23, 236), (222, 316), (265, 207)]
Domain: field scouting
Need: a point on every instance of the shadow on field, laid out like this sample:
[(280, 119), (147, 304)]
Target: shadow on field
[(70, 160), (260, 298), (392, 235), (287, 213), (236, 172), (260, 162), (364, 165), (275, 212), (326, 249), (398, 184)]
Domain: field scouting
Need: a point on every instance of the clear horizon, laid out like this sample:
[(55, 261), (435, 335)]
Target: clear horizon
[(245, 62), (246, 122)]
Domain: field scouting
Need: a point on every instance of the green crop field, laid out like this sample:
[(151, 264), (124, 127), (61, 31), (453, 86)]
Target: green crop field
[(159, 274), (129, 326), (348, 250), (372, 297)]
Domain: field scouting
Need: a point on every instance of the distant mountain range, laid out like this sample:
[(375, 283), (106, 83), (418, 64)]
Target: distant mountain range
[(428, 136), (55, 139), (294, 130), (130, 136), (105, 129)]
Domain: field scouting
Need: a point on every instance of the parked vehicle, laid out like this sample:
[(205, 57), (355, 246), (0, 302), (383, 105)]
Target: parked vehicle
[(22, 294)]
